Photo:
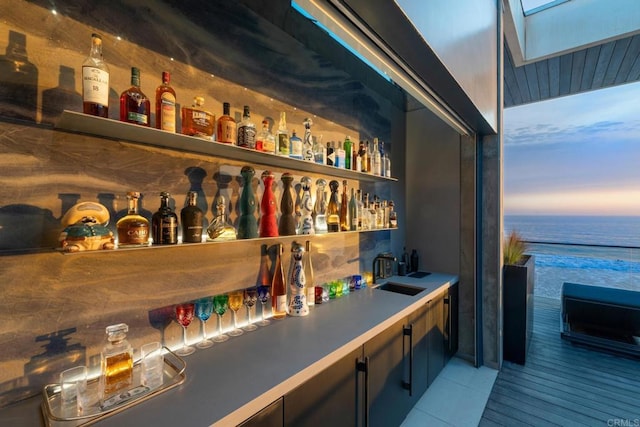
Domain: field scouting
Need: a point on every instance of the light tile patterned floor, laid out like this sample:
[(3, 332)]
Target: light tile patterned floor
[(456, 398)]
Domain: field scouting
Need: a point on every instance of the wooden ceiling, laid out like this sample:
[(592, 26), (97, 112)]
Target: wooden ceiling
[(609, 64)]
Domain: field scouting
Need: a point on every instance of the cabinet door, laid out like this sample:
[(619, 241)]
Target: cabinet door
[(417, 370), (271, 416), (451, 322), (388, 401), (435, 331), (327, 399)]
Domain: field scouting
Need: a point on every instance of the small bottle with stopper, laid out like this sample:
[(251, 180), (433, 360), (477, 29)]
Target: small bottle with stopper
[(116, 362)]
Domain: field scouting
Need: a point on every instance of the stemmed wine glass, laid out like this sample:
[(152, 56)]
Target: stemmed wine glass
[(204, 308), (264, 294), (220, 304), (250, 298), (184, 316), (160, 318), (235, 302)]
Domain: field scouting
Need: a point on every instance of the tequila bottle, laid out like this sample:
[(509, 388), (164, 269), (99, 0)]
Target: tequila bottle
[(306, 209), (333, 215), (164, 223), (191, 217), (133, 228), (135, 107), (265, 141), (297, 283), (320, 207), (95, 81), (307, 144), (282, 136), (247, 131), (116, 362), (319, 150), (268, 221), (226, 129), (287, 225), (220, 229), (247, 223)]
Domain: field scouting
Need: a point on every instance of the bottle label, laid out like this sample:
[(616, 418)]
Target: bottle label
[(269, 145), (331, 158), (168, 112), (134, 117), (283, 144), (247, 137), (95, 85), (134, 236), (169, 230), (281, 304)]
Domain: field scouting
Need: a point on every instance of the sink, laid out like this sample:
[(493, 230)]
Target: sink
[(399, 288)]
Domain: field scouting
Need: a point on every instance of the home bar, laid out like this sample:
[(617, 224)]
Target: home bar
[(299, 201)]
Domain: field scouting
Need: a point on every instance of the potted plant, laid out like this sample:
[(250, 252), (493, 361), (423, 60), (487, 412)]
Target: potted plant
[(518, 275)]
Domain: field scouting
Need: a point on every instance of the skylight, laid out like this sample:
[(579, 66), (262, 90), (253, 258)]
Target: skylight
[(532, 6)]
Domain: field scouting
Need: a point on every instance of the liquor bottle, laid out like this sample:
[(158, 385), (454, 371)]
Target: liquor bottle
[(379, 213), (306, 208), (307, 143), (287, 225), (226, 131), (387, 165), (320, 207), (133, 229), (415, 261), (375, 158), (359, 210), (353, 212), (191, 217), (135, 107), (297, 283), (246, 131), (282, 136), (116, 362), (95, 81), (308, 274), (247, 223), (393, 216), (196, 121), (164, 223), (296, 146), (348, 152), (268, 220), (331, 155), (319, 150), (166, 105), (265, 141), (362, 154), (344, 208), (356, 161), (333, 216), (278, 288), (368, 157), (220, 229), (340, 153)]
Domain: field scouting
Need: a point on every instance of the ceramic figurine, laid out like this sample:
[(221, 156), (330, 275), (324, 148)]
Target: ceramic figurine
[(85, 228)]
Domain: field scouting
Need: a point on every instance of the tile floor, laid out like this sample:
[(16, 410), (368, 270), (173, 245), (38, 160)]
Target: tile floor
[(457, 397)]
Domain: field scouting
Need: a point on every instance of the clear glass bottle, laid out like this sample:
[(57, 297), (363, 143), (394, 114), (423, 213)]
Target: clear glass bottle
[(333, 214), (278, 288), (387, 165), (133, 228), (375, 158), (166, 104), (320, 207), (307, 142), (308, 274), (265, 141), (353, 212), (362, 154), (282, 136), (393, 216), (246, 130), (191, 217), (196, 121), (359, 209), (220, 229), (116, 362), (340, 153), (164, 223), (344, 208), (319, 150), (364, 214), (306, 208), (331, 154), (226, 130), (296, 146), (95, 81), (135, 107)]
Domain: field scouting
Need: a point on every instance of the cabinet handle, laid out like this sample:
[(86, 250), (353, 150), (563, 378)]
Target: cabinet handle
[(448, 325), (364, 367), (408, 332)]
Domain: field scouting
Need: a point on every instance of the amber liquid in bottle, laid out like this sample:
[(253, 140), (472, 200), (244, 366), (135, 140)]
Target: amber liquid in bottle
[(133, 229), (135, 107), (278, 289), (116, 361), (166, 105), (196, 121), (344, 209), (333, 216), (226, 131), (95, 81)]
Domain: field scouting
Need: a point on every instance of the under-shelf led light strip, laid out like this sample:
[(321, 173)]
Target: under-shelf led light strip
[(345, 25)]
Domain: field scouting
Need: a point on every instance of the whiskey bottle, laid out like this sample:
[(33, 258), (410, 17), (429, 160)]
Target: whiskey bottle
[(116, 362), (220, 229), (135, 107), (265, 141), (164, 223), (246, 131), (344, 208), (333, 215), (196, 121), (191, 217), (133, 229), (282, 136), (226, 129), (278, 288), (95, 81), (368, 158), (166, 105)]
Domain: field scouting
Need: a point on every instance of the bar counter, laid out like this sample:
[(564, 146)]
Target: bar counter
[(231, 381)]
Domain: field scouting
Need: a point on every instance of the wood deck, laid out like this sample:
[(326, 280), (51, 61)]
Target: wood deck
[(563, 384)]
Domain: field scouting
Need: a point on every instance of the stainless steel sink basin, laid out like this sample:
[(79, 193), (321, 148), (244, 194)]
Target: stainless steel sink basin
[(400, 288)]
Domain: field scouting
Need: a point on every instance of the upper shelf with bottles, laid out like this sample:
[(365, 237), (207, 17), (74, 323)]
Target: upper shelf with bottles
[(117, 130)]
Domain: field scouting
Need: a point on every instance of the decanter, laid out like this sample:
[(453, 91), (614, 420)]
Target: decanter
[(306, 208), (220, 229)]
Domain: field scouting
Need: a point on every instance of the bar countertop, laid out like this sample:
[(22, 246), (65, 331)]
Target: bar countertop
[(231, 381)]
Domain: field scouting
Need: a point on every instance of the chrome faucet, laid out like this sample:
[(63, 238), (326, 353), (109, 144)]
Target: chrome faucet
[(381, 273)]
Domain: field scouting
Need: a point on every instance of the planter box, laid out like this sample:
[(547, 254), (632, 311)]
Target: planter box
[(517, 306)]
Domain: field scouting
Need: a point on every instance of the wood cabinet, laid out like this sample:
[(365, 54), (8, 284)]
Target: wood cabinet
[(270, 416), (451, 322), (435, 337)]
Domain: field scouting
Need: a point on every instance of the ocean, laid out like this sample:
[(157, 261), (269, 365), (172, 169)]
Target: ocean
[(592, 250)]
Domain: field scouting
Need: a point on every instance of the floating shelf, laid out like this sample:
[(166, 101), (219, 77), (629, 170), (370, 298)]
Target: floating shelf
[(115, 130)]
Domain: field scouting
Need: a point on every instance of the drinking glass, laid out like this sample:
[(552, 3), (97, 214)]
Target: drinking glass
[(184, 316), (151, 365), (250, 298), (235, 302), (204, 309), (160, 318), (220, 305), (264, 294)]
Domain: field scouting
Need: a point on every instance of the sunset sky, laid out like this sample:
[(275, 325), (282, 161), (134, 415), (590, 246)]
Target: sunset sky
[(576, 155)]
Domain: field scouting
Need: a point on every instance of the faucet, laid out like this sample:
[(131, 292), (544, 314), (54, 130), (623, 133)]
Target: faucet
[(379, 257)]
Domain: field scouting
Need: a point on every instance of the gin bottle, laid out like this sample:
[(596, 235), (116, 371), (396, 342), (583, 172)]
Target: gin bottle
[(164, 223), (320, 207), (191, 217), (133, 228), (296, 146), (348, 155), (375, 159), (95, 81)]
